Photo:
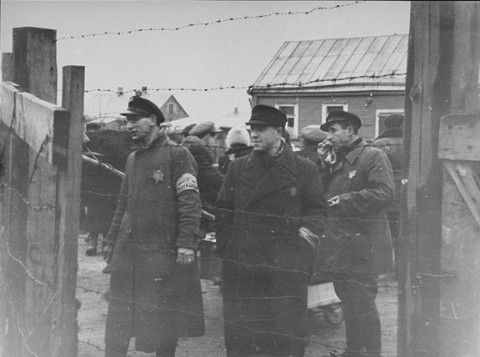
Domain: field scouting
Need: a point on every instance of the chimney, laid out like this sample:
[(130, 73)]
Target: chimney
[(235, 110)]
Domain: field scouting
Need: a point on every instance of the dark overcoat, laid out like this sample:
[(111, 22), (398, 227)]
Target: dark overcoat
[(151, 297), (266, 266), (358, 233)]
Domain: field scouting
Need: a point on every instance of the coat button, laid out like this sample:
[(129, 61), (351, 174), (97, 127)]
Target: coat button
[(276, 260)]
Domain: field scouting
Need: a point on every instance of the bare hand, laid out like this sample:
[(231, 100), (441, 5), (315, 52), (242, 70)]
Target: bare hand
[(185, 256), (334, 201)]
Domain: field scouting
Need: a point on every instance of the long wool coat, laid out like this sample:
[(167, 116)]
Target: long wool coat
[(358, 234), (266, 265), (159, 209)]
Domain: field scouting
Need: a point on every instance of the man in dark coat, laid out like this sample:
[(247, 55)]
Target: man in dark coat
[(360, 188), (100, 187), (199, 141), (155, 293), (390, 141), (268, 197)]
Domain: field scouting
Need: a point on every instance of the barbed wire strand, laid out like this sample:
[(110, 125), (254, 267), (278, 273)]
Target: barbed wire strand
[(290, 85), (332, 348), (207, 23)]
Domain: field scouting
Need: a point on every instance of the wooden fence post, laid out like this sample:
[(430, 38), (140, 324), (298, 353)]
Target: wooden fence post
[(64, 341), (442, 78), (8, 67), (35, 55)]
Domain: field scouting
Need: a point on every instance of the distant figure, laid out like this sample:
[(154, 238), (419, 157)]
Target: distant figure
[(199, 142), (186, 130), (390, 141), (100, 187), (312, 136), (238, 141)]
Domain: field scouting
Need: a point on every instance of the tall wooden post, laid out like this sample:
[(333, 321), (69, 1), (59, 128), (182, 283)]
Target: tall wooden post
[(442, 68), (35, 55), (64, 340)]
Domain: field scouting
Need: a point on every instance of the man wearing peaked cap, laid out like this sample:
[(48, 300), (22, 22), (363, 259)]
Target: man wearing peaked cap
[(155, 293), (204, 128), (312, 136), (270, 204), (265, 115), (139, 107), (359, 186), (340, 116)]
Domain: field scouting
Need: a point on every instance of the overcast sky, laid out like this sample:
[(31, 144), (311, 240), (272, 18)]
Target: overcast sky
[(232, 53)]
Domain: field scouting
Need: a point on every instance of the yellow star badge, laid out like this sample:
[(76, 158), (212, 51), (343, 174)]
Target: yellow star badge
[(158, 176)]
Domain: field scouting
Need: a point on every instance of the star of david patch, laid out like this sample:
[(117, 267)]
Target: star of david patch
[(158, 176)]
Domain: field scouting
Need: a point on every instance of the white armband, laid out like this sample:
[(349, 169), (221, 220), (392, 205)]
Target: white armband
[(186, 182)]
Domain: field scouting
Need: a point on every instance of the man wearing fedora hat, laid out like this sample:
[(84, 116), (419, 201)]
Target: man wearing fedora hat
[(359, 187), (269, 209), (155, 293)]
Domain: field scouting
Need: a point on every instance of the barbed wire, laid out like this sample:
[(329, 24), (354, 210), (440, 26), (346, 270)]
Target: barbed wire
[(207, 23), (328, 346), (290, 85)]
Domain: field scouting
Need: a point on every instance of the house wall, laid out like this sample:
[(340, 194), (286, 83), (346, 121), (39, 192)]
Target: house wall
[(310, 107), (177, 113)]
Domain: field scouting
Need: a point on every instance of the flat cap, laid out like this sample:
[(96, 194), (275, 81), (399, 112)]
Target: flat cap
[(203, 128), (313, 134), (138, 106), (186, 130), (267, 116), (337, 116)]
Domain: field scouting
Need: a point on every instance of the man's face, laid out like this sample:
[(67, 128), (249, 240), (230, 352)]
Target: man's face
[(140, 127), (339, 136), (264, 137), (210, 140)]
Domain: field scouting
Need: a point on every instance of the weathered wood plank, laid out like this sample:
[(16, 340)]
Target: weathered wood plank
[(8, 67), (41, 258), (459, 137), (460, 233), (35, 121), (64, 340), (35, 56)]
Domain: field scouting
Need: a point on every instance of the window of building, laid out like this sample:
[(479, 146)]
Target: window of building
[(381, 115), (170, 108), (328, 108), (291, 111)]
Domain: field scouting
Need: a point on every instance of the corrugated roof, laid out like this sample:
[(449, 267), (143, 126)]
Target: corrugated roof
[(333, 62)]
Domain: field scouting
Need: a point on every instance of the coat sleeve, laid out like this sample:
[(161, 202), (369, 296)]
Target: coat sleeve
[(315, 206), (189, 207), (224, 211), (378, 193), (112, 234)]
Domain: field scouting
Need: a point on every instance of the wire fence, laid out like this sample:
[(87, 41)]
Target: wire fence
[(209, 23)]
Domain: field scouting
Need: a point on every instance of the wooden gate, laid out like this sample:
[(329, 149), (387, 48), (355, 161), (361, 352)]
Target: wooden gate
[(40, 152)]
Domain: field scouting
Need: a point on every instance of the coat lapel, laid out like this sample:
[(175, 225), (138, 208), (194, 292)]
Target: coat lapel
[(264, 183)]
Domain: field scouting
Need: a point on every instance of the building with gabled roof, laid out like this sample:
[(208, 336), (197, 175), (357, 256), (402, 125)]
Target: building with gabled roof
[(308, 79), (105, 107)]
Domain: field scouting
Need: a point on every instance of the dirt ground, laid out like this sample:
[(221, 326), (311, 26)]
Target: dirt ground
[(92, 283)]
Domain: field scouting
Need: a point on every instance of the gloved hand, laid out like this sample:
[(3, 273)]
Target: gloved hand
[(108, 253)]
